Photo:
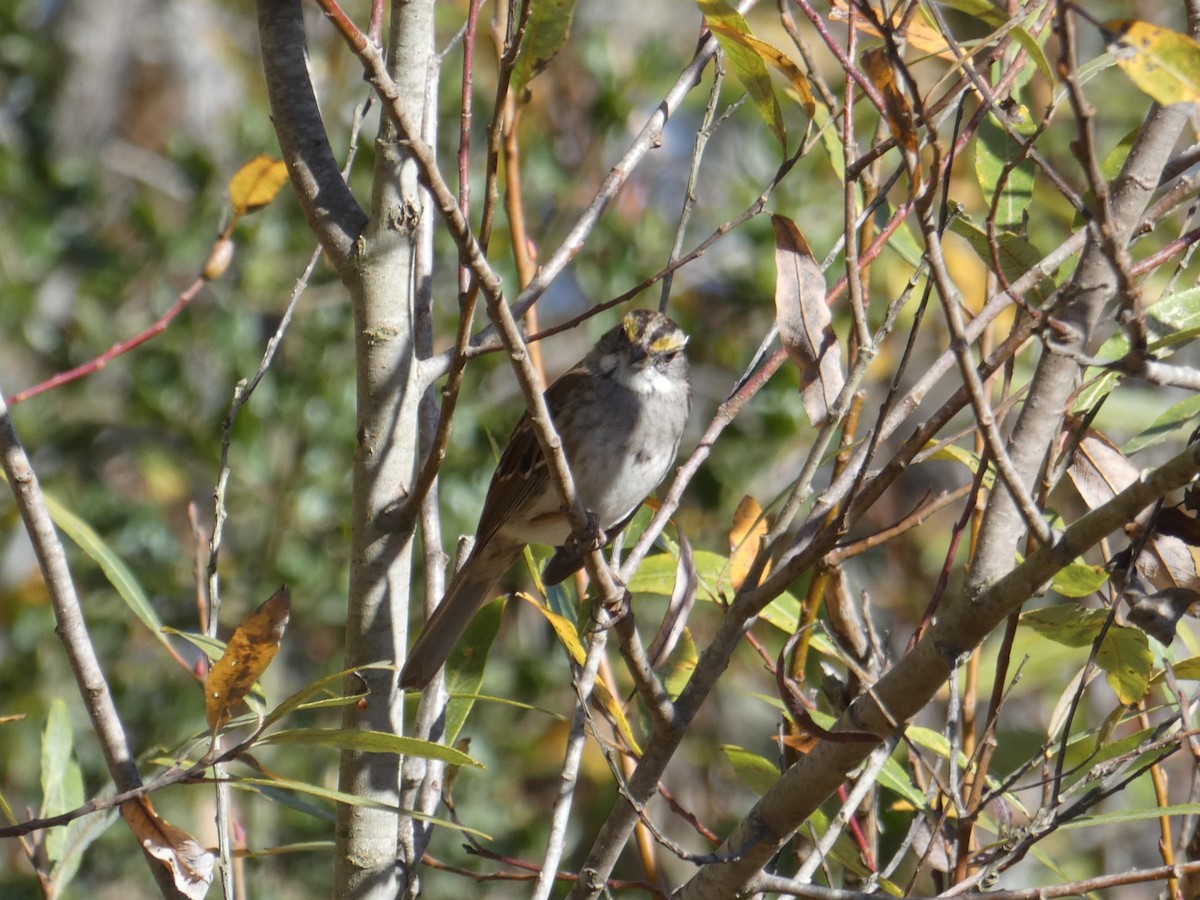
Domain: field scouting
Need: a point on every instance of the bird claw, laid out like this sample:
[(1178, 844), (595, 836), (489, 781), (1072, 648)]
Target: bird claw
[(621, 606), (593, 537)]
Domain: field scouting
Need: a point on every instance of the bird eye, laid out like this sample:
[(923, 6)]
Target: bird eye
[(670, 355)]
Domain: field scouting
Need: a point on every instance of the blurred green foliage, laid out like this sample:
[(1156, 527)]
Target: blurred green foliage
[(103, 219)]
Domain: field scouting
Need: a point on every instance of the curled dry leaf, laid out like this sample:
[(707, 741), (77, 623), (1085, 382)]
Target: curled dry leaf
[(256, 184), (805, 325), (914, 30), (191, 866), (1166, 564), (896, 107), (247, 655)]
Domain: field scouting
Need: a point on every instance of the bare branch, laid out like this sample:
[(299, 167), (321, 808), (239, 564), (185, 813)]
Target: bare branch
[(332, 212)]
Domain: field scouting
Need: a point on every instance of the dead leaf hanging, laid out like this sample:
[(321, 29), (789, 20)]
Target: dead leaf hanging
[(247, 655), (805, 325)]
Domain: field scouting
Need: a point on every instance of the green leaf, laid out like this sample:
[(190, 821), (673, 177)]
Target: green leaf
[(321, 685), (1124, 655), (545, 35), (1174, 419), (81, 833), (748, 67), (1132, 815), (213, 648), (1017, 255), (995, 150), (657, 576), (256, 785), (756, 772), (62, 781), (113, 567), (1179, 311), (682, 662), (1185, 670), (1079, 579), (955, 453), (464, 669), (370, 742)]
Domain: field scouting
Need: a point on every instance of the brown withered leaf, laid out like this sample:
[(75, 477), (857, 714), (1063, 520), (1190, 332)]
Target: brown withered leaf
[(750, 526), (247, 655), (921, 35), (1165, 574), (191, 866), (256, 184), (805, 325), (1099, 470), (879, 68), (801, 743)]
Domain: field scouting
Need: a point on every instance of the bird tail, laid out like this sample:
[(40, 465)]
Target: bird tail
[(468, 592)]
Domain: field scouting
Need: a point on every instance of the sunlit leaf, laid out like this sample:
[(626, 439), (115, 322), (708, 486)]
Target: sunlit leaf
[(1164, 64), (113, 567), (62, 780), (776, 58), (1079, 579), (750, 526), (1124, 654), (275, 788), (256, 184), (1009, 186), (320, 686), (564, 628), (682, 663), (247, 654), (955, 453), (1017, 255), (747, 65), (1175, 419)]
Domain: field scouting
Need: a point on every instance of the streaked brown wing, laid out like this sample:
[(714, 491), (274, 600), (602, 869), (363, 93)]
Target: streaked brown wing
[(522, 473)]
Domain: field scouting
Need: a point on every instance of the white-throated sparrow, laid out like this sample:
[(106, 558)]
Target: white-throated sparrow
[(620, 413)]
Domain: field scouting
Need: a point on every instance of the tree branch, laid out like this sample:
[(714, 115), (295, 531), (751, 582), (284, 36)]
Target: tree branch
[(333, 214)]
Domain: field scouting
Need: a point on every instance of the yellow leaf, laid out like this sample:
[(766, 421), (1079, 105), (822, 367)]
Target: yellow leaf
[(190, 865), (256, 184), (562, 627), (1163, 63), (775, 57), (570, 639), (750, 526), (916, 31), (247, 655)]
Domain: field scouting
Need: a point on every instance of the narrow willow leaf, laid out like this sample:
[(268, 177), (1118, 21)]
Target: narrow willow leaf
[(748, 67), (370, 742), (545, 35), (1164, 64), (62, 780)]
